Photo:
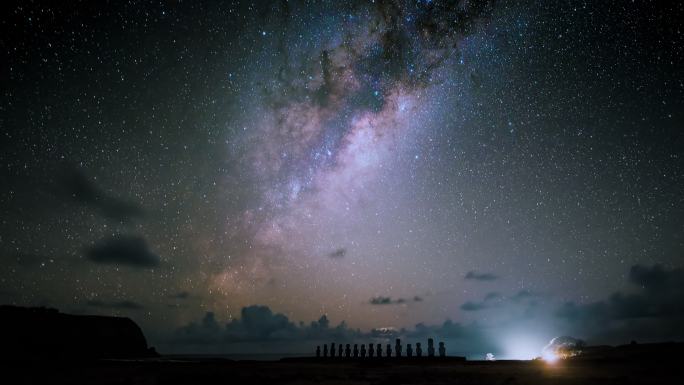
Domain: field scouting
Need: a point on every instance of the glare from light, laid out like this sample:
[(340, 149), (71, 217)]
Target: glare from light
[(550, 357), (520, 347)]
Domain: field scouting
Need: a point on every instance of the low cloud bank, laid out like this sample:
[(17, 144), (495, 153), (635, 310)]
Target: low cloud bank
[(261, 330), (652, 311)]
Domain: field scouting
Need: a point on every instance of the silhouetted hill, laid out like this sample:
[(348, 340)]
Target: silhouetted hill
[(41, 333), (661, 352)]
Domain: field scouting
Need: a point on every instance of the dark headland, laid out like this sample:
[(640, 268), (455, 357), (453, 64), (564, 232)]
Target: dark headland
[(44, 346), (43, 333)]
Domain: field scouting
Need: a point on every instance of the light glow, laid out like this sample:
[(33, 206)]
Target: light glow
[(550, 357)]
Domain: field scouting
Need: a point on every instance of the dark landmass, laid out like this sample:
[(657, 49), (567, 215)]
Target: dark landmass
[(670, 352), (47, 334), (630, 364), (44, 346), (197, 372), (378, 360)]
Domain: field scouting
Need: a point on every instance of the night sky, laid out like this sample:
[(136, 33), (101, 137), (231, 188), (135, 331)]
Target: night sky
[(264, 176)]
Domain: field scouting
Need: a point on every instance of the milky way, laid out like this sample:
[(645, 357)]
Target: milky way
[(501, 166), (328, 142)]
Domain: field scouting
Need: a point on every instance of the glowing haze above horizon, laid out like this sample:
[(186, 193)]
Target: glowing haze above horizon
[(498, 173)]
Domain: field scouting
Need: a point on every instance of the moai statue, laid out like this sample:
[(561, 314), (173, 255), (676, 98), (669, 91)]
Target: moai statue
[(325, 350), (379, 350), (318, 351), (370, 351), (339, 351), (397, 348), (356, 351), (409, 350), (442, 350), (347, 351), (332, 350), (363, 350), (419, 350), (431, 347), (389, 350)]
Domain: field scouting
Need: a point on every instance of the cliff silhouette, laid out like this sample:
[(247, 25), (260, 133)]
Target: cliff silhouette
[(43, 333)]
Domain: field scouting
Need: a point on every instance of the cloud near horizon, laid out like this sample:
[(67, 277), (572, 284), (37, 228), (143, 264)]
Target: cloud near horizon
[(382, 300), (260, 329), (258, 324), (475, 276), (339, 253), (180, 295), (654, 312), (129, 250)]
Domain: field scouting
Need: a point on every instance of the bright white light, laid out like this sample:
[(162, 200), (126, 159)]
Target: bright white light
[(490, 357), (550, 357), (520, 347), (561, 348)]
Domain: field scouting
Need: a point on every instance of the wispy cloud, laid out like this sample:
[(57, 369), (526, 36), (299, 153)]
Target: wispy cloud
[(473, 275)]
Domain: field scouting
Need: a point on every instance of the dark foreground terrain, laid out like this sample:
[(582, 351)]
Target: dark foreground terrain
[(42, 333), (44, 346), (253, 372)]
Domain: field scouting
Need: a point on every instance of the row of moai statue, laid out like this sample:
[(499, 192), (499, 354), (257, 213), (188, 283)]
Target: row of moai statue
[(349, 352)]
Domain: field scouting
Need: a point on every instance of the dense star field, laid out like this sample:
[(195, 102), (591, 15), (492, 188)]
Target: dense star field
[(267, 176)]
